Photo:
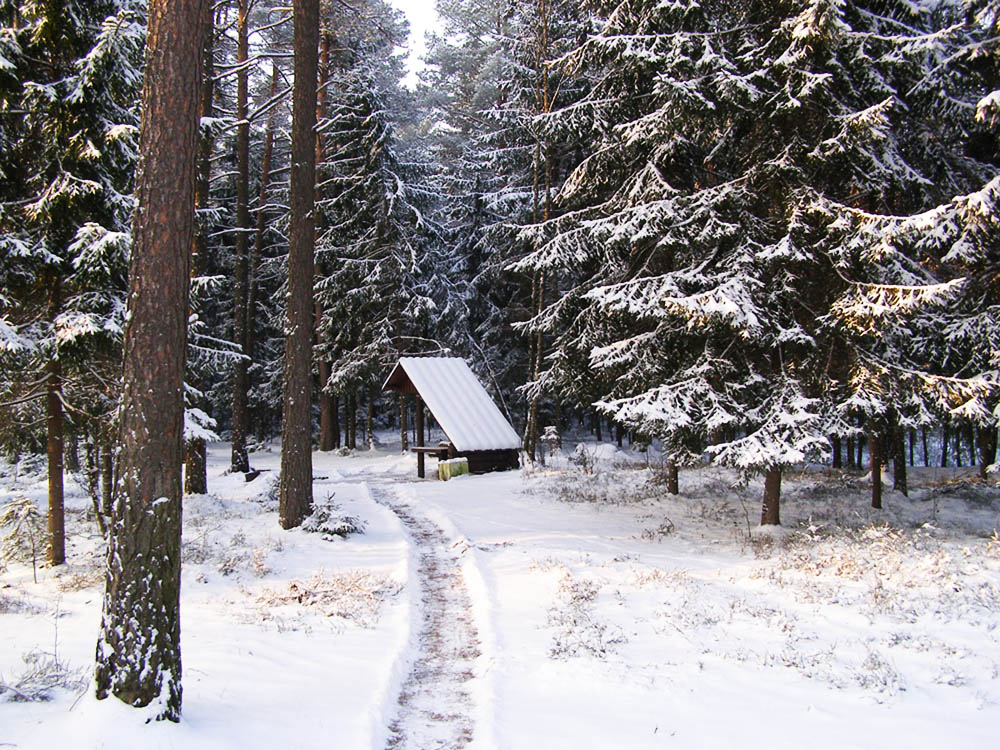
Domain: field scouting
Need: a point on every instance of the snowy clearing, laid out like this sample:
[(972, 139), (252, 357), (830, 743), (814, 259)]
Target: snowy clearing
[(550, 609)]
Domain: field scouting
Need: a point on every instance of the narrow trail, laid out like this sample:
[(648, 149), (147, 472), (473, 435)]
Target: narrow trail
[(434, 709)]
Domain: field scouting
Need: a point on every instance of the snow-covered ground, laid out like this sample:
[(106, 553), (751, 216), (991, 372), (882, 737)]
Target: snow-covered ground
[(543, 609)]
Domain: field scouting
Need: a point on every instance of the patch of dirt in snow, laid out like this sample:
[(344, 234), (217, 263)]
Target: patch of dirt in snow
[(434, 710)]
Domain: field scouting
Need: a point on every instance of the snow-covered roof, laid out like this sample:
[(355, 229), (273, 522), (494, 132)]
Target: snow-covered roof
[(458, 402)]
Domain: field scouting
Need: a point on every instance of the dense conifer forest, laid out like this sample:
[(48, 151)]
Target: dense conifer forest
[(756, 234)]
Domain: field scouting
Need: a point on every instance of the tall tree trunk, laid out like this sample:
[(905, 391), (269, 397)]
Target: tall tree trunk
[(970, 436), (913, 439), (56, 551), (295, 491), (850, 453), (241, 265), (861, 452), (838, 462), (769, 513), (987, 448), (325, 399), (195, 451), (875, 460), (945, 437), (139, 650), (923, 438)]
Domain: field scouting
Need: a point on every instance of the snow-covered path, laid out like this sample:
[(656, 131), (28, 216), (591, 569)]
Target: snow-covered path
[(435, 705)]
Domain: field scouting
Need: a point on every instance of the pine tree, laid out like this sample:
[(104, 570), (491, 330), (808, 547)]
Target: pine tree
[(700, 276), (295, 490), (138, 650), (69, 125)]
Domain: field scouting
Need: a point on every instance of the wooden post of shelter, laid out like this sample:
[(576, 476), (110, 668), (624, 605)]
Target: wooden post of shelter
[(420, 435)]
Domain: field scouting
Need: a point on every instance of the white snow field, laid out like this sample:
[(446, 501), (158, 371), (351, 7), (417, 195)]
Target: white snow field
[(545, 609)]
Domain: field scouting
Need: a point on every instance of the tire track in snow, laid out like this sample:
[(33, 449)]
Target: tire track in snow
[(434, 711)]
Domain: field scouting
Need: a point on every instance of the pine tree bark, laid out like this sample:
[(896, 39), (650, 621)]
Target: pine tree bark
[(838, 462), (769, 513), (138, 650), (295, 490), (56, 550), (195, 451), (672, 479), (241, 255)]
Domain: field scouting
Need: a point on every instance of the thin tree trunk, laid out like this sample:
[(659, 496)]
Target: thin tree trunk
[(325, 399), (923, 438), (72, 449), (850, 453), (672, 480), (987, 449), (898, 460), (241, 255), (945, 437), (769, 514), (56, 551), (419, 412), (195, 467), (596, 420), (875, 460), (335, 415), (94, 484), (861, 452), (295, 491), (354, 419), (913, 439), (370, 419), (970, 436), (838, 462), (138, 650), (107, 479)]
